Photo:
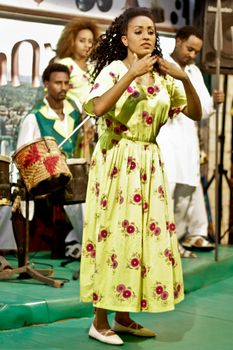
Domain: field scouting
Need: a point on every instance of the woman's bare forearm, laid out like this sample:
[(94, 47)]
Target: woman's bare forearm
[(107, 101)]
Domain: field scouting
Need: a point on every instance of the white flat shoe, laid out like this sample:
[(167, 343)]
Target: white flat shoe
[(113, 339), (140, 332)]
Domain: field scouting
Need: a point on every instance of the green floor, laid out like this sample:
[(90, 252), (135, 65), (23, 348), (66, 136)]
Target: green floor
[(204, 321)]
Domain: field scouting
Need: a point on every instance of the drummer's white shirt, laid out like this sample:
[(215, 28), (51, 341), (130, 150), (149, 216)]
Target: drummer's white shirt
[(178, 138), (29, 129)]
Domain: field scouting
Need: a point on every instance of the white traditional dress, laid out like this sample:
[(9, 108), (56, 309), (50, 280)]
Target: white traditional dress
[(130, 259)]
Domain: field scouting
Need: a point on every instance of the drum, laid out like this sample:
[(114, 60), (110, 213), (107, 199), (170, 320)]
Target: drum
[(75, 190), (42, 166), (5, 188)]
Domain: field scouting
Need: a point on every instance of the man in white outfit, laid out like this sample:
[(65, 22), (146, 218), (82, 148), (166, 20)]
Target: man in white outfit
[(179, 143)]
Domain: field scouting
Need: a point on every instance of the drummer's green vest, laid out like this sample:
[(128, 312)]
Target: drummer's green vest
[(54, 128)]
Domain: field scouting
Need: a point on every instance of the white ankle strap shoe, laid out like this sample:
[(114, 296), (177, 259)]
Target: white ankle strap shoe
[(113, 339)]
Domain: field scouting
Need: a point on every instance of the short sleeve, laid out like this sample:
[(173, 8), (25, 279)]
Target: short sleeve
[(178, 98), (106, 79)]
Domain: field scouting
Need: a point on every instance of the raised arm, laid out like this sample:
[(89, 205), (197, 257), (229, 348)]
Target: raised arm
[(107, 101), (193, 109)]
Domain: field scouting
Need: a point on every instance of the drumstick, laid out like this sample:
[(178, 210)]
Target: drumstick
[(76, 129)]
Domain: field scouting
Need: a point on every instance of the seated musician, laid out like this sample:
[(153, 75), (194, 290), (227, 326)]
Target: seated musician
[(55, 116)]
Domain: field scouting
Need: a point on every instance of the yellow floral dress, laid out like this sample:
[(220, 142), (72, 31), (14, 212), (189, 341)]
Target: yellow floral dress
[(130, 259)]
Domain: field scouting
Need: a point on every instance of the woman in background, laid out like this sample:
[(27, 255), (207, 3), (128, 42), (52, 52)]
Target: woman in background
[(73, 50)]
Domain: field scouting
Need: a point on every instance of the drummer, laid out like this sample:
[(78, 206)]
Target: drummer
[(55, 115)]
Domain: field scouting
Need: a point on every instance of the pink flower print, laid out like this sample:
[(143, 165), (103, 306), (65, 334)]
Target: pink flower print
[(145, 207), (129, 89), (97, 189), (95, 297), (149, 120), (159, 289), (93, 253), (114, 264), (121, 199), (103, 233), (152, 169), (161, 191), (125, 223), (157, 231), (164, 295), (104, 202), (144, 177), (172, 261), (171, 113), (114, 142), (145, 114), (135, 262), (174, 111), (117, 130), (113, 257), (150, 90), (157, 89), (108, 122), (89, 247), (114, 172), (177, 290), (112, 74), (137, 198), (152, 226), (96, 85), (132, 165), (143, 304), (167, 252), (172, 227), (71, 86), (71, 68), (120, 288), (127, 293), (144, 271), (135, 94), (123, 128), (130, 229)]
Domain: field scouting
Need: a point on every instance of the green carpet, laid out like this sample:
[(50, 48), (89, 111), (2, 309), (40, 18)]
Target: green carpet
[(29, 302), (203, 321)]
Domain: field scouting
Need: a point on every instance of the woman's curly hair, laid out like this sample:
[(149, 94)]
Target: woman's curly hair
[(110, 47), (66, 42)]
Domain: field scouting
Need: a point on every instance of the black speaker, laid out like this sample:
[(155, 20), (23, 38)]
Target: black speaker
[(204, 17)]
